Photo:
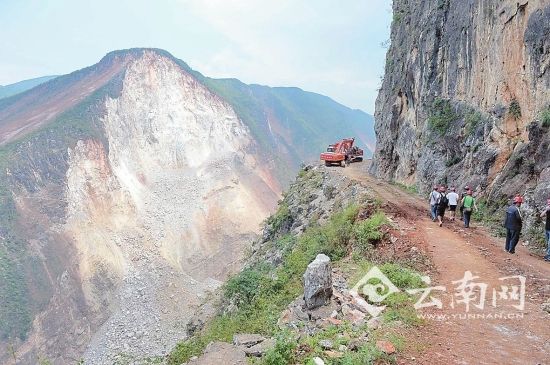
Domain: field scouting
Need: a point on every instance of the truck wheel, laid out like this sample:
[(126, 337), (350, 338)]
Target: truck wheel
[(327, 164)]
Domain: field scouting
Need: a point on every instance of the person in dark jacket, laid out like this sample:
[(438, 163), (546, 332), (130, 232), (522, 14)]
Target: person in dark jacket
[(442, 204), (513, 224), (546, 213)]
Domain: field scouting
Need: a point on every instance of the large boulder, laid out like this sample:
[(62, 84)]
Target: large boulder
[(318, 282)]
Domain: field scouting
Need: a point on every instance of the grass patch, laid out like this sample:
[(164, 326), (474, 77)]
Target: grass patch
[(367, 354), (412, 189), (402, 277)]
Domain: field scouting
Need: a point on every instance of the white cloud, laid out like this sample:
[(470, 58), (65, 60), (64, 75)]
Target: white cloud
[(294, 43)]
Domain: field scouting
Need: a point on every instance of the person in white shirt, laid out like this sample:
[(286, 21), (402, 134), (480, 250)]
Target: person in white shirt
[(453, 202)]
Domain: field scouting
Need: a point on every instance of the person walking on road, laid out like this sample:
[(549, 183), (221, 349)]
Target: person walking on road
[(513, 224), (462, 196), (468, 205), (442, 204), (546, 213), (453, 202), (434, 197)]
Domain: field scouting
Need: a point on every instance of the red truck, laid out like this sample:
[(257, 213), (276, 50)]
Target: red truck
[(342, 153)]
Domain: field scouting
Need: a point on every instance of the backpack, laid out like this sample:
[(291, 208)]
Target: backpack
[(443, 200)]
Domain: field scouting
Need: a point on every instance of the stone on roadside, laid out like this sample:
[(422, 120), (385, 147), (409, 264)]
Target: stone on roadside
[(356, 317), (386, 347), (318, 282), (355, 344), (360, 303), (259, 349), (318, 361), (247, 339), (326, 344), (374, 323)]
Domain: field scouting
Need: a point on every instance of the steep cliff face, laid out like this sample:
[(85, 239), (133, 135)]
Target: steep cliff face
[(466, 97)]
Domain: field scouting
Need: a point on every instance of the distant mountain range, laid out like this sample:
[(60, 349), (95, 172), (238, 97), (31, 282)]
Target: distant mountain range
[(311, 116), (19, 87)]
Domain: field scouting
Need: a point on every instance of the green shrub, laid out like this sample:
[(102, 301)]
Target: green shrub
[(472, 120), (243, 288), (368, 232), (413, 189), (337, 234), (15, 315), (441, 116), (514, 109), (281, 217), (282, 353), (545, 117)]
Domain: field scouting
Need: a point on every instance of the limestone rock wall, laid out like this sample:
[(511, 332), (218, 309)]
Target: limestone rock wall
[(463, 100)]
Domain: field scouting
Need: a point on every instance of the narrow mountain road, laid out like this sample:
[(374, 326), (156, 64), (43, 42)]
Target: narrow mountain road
[(497, 333)]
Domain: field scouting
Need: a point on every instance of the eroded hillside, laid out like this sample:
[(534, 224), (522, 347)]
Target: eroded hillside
[(129, 190)]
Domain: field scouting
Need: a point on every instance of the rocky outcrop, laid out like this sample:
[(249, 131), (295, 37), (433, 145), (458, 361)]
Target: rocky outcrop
[(318, 282), (465, 98)]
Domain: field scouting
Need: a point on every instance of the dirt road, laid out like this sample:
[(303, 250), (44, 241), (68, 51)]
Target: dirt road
[(491, 331)]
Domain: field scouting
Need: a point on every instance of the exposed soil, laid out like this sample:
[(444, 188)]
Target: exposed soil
[(518, 337)]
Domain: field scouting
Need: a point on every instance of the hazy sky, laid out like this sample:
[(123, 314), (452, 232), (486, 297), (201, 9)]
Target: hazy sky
[(333, 48)]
